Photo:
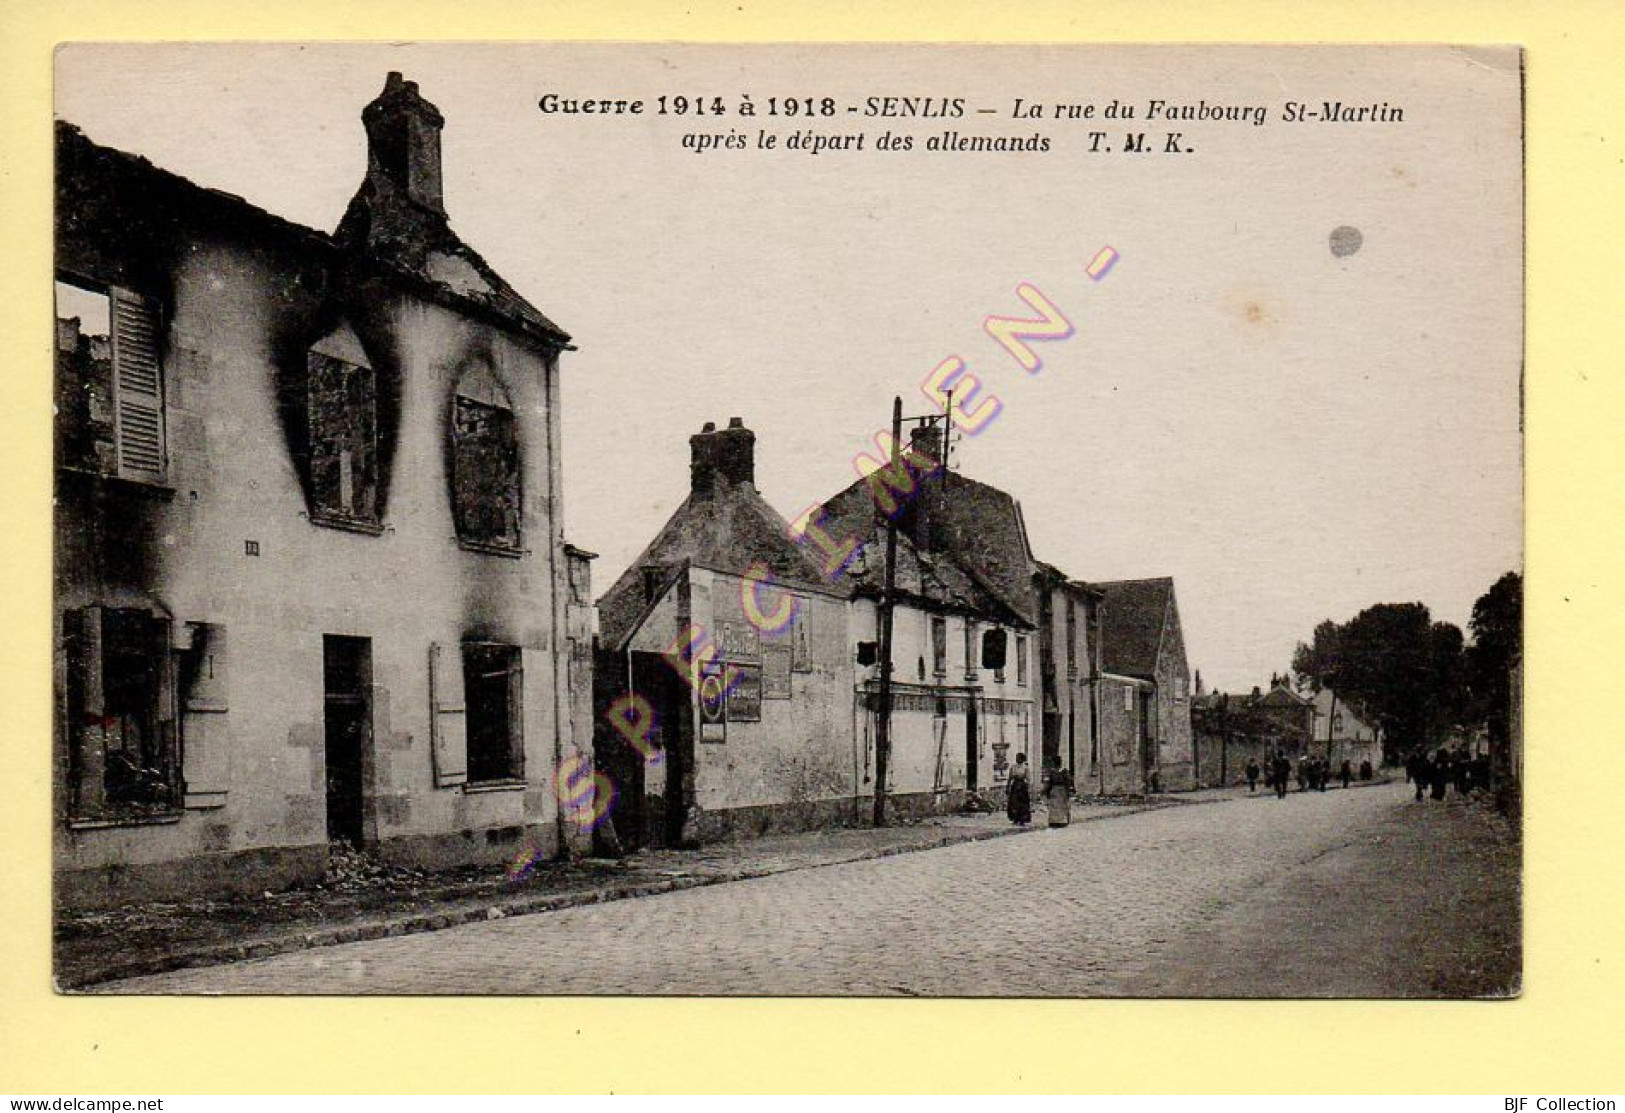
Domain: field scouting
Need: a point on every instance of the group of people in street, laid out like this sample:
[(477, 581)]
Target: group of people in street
[(1312, 773), (1057, 788), (1447, 768)]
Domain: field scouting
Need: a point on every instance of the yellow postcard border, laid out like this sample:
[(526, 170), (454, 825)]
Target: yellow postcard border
[(1560, 1037)]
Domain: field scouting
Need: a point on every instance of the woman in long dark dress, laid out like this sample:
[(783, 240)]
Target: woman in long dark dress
[(1058, 794), (1018, 793)]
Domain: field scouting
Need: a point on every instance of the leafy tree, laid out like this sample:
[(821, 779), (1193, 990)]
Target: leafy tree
[(1395, 666), (1497, 626)]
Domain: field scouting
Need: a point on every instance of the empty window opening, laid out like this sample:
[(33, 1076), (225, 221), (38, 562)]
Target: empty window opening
[(109, 383), (343, 441), (122, 757), (491, 688), (485, 464)]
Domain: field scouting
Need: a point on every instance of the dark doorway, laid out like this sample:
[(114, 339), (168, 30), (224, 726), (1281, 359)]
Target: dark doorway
[(972, 772), (347, 680), (652, 797), (670, 699)]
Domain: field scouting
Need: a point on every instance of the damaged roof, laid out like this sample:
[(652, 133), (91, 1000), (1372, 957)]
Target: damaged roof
[(408, 243), (972, 526), (110, 196)]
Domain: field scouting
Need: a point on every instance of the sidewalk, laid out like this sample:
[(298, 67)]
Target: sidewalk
[(363, 899)]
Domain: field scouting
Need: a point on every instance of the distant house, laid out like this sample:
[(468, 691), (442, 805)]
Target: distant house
[(1340, 735), (1231, 730), (1145, 683)]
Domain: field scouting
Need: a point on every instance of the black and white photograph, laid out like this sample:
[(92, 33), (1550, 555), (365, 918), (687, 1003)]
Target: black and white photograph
[(817, 520)]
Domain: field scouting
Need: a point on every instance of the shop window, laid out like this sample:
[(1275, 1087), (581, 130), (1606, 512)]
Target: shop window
[(109, 383), (485, 464), (122, 759), (492, 681), (939, 647)]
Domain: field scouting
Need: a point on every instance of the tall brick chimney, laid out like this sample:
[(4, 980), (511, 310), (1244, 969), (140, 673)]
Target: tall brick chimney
[(403, 145), (927, 439), (722, 458)]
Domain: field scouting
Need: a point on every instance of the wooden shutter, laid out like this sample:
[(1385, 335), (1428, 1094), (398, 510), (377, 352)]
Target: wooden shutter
[(516, 714), (448, 717), (205, 727), (138, 387), (87, 735)]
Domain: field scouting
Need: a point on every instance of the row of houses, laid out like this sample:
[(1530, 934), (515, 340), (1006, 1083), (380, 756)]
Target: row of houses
[(311, 582), (996, 654), (1233, 730)]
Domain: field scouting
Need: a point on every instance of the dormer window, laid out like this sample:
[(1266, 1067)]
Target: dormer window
[(485, 463), (343, 416)]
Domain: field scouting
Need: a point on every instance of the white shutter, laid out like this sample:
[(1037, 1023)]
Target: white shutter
[(448, 717), (205, 726), (138, 387)]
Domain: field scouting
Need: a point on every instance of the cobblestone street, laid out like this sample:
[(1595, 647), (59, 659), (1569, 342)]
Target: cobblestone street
[(1346, 893)]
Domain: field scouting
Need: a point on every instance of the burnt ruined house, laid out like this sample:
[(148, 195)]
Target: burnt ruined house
[(310, 582)]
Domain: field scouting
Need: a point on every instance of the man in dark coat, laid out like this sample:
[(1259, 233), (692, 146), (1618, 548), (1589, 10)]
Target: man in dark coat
[(1252, 775), (1346, 773), (1441, 773), (1420, 772), (1283, 769)]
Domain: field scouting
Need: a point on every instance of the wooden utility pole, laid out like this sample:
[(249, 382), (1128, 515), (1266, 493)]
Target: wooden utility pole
[(887, 593)]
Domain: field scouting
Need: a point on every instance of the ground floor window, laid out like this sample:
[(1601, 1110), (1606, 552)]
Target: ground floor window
[(492, 681), (122, 752)]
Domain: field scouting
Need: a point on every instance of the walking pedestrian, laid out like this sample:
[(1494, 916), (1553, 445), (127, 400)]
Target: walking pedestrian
[(1282, 769), (1018, 793), (1346, 773), (1058, 793), (1441, 773), (1365, 770), (1252, 775), (1421, 773)]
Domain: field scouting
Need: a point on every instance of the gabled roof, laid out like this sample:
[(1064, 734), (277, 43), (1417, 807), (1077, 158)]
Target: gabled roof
[(1279, 696), (930, 578), (977, 527), (1132, 619), (727, 530)]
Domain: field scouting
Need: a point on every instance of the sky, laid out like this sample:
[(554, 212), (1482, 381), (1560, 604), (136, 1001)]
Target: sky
[(1293, 434)]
